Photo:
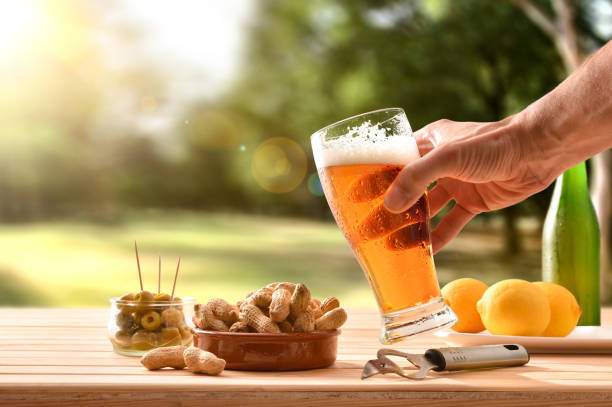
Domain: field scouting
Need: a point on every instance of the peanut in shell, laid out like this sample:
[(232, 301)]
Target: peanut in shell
[(280, 306), (286, 286), (331, 320), (299, 300), (223, 310), (304, 322), (261, 298), (212, 321), (255, 319), (239, 326), (329, 304), (285, 326)]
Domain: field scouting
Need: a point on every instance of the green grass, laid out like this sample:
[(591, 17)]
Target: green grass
[(69, 264), (227, 255)]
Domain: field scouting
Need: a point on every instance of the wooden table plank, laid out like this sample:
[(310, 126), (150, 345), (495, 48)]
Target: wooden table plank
[(49, 355), (528, 379), (309, 399)]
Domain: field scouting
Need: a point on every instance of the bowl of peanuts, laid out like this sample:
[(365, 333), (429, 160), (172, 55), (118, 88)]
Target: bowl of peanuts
[(278, 327)]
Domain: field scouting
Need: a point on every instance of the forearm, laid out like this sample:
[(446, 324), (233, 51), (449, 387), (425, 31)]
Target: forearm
[(574, 121)]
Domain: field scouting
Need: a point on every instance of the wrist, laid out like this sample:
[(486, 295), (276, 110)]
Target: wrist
[(542, 148)]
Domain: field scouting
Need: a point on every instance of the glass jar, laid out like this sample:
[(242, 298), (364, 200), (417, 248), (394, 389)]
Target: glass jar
[(136, 327)]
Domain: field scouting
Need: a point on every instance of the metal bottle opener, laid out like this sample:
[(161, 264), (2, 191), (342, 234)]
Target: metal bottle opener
[(460, 358)]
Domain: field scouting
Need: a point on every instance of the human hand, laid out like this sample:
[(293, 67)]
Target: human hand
[(481, 166)]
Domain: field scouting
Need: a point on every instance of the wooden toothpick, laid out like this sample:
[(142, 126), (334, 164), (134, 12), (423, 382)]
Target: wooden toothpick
[(159, 276), (138, 263), (175, 276)]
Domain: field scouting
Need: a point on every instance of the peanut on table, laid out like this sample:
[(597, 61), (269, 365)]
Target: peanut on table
[(179, 357)]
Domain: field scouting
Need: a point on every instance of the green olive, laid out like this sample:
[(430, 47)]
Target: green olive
[(161, 297), (144, 299), (143, 340), (124, 322), (137, 317), (177, 303), (151, 321), (122, 339), (170, 337), (125, 308), (172, 317), (144, 296)]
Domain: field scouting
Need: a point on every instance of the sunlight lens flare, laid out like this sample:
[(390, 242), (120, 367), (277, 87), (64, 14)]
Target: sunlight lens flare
[(314, 185), (279, 165), (18, 21)]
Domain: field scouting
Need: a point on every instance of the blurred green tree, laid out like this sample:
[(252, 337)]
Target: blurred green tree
[(312, 63)]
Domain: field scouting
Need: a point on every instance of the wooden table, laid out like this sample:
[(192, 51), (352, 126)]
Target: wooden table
[(63, 355)]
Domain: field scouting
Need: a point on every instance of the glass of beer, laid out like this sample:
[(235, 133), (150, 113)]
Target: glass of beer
[(357, 159)]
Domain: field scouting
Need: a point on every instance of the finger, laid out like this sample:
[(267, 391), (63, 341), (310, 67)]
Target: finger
[(416, 177), (449, 227), (430, 136), (371, 186), (438, 198), (380, 222), (423, 140)]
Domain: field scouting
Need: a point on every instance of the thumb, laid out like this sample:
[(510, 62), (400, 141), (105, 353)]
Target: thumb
[(415, 177)]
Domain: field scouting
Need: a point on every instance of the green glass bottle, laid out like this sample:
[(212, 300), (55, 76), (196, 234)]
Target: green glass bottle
[(570, 242)]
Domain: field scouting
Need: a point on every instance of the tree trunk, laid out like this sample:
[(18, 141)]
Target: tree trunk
[(512, 242)]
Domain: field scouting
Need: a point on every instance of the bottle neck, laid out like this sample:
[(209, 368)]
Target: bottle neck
[(575, 179)]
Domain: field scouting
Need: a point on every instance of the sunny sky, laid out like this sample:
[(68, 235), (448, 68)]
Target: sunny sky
[(204, 37)]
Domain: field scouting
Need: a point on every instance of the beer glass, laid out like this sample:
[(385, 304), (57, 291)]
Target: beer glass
[(357, 160)]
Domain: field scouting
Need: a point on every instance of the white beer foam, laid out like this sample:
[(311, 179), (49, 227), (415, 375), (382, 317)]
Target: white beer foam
[(366, 144)]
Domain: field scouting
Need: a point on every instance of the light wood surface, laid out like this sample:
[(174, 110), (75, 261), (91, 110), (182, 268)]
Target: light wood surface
[(63, 356)]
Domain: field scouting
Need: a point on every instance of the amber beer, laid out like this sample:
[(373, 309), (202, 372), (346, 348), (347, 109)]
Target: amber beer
[(357, 160), (394, 250)]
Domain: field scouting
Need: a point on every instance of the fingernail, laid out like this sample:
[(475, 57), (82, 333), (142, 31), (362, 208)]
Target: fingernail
[(395, 200)]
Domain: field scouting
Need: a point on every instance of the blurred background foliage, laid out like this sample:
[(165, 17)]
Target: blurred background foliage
[(200, 147)]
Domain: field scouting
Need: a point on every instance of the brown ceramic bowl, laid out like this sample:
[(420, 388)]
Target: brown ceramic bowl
[(259, 351)]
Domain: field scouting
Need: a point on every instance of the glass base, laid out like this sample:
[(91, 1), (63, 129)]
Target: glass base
[(399, 325), (129, 352)]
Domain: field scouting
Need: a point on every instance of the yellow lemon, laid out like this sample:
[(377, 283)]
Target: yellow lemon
[(514, 307), (564, 309), (462, 295)]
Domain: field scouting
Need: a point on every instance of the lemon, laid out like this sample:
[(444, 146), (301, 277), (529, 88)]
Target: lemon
[(461, 295), (514, 307), (564, 309)]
